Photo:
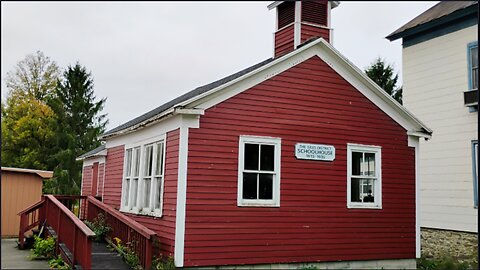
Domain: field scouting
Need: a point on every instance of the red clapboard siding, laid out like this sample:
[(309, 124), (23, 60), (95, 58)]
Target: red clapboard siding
[(284, 41), (113, 176), (164, 226), (309, 31), (101, 174), (87, 180), (308, 103)]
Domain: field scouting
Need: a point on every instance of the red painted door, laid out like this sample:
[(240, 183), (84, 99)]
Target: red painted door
[(94, 179)]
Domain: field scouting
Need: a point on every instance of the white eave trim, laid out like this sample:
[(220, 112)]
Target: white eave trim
[(414, 125), (176, 110), (102, 153)]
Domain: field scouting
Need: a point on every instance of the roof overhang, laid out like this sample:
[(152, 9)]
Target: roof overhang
[(41, 173), (276, 3), (197, 104)]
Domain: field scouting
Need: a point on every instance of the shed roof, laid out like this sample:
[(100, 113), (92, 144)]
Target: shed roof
[(42, 174), (434, 13)]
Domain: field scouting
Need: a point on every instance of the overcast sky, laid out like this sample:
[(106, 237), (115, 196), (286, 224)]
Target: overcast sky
[(142, 55)]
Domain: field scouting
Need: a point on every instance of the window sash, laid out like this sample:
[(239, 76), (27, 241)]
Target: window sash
[(260, 170), (142, 189), (375, 179)]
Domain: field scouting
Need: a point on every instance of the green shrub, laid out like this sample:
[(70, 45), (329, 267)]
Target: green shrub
[(128, 253), (43, 248), (159, 263), (99, 226), (58, 263), (445, 262)]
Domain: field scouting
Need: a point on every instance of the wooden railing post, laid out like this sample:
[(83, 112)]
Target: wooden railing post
[(87, 253), (148, 253), (21, 233)]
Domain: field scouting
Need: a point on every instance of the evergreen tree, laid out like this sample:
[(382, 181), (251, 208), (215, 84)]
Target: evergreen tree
[(383, 75), (79, 125)]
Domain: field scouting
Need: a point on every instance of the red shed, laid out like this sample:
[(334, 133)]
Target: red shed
[(298, 160)]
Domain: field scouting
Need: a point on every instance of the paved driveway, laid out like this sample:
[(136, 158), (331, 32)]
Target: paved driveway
[(13, 258)]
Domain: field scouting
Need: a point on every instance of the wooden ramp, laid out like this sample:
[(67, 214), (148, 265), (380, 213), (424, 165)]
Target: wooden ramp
[(104, 258)]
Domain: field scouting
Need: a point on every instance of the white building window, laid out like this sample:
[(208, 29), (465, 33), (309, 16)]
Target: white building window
[(473, 65), (142, 187), (364, 176), (259, 171), (475, 172)]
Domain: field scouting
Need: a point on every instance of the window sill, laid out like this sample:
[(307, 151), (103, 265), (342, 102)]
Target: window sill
[(363, 206), (141, 213), (257, 204)]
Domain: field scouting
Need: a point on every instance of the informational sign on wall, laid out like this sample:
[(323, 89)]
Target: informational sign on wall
[(315, 151)]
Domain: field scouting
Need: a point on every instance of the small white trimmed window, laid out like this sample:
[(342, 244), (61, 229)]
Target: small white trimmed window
[(142, 187), (259, 171), (364, 176)]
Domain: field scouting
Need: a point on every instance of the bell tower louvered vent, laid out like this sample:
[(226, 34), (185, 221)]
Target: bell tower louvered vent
[(300, 21), (286, 14), (315, 12)]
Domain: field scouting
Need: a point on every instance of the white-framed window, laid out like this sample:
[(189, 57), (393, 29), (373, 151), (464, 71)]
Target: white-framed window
[(142, 186), (475, 172), (259, 171), (472, 65), (364, 176)]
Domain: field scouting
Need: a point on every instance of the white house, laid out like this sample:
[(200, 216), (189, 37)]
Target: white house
[(440, 86)]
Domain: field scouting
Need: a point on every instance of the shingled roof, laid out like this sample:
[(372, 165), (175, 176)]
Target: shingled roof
[(437, 12), (92, 152), (195, 92)]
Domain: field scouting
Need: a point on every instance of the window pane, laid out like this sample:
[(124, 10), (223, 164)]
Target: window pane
[(137, 162), (251, 156), (368, 167), (362, 190), (474, 54), (148, 160), (250, 185), (147, 187), (357, 159), (128, 164), (134, 192), (267, 157), (126, 194), (265, 186), (158, 188), (159, 165)]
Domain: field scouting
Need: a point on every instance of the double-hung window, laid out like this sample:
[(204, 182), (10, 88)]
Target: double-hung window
[(475, 172), (142, 188), (364, 178), (473, 66), (259, 171)]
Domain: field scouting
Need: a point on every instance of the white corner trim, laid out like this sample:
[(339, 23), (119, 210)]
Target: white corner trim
[(187, 122), (414, 141), (297, 27)]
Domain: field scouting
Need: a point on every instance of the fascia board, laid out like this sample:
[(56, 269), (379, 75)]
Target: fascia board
[(378, 91)]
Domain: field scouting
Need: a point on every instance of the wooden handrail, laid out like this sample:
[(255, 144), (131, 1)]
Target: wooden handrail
[(82, 226), (144, 231), (32, 207)]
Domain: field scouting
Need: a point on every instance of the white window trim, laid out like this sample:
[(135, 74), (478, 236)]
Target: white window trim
[(378, 185), (139, 209), (277, 142)]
